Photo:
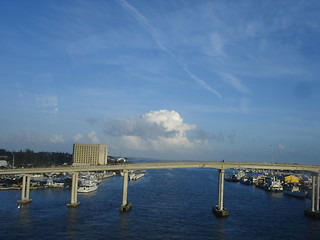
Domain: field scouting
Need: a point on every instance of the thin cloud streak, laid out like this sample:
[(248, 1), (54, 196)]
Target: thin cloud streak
[(143, 21), (235, 83)]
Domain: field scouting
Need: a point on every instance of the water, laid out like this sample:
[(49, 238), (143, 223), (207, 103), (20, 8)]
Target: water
[(167, 204)]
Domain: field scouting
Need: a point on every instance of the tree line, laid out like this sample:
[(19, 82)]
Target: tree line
[(29, 158)]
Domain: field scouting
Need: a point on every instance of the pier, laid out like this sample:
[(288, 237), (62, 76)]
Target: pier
[(25, 190), (74, 194), (125, 206), (218, 209)]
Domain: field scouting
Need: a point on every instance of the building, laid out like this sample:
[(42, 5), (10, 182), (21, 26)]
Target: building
[(90, 154), (3, 163), (291, 179)]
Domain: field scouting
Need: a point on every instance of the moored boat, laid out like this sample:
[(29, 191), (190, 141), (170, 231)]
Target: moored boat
[(274, 185), (136, 176), (87, 186), (295, 191)]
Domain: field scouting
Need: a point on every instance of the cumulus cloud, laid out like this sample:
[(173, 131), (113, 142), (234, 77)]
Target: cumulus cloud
[(56, 138), (77, 137), (94, 139), (90, 137), (151, 125), (156, 130)]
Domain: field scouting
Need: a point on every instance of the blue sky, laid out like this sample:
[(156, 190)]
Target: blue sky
[(197, 80)]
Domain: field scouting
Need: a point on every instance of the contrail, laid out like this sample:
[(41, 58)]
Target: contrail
[(143, 21)]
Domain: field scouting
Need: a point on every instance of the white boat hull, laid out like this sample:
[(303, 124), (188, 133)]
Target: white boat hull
[(85, 189)]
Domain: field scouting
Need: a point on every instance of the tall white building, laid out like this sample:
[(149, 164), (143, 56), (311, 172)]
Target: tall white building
[(90, 154)]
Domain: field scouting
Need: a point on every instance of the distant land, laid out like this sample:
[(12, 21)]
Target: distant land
[(29, 158)]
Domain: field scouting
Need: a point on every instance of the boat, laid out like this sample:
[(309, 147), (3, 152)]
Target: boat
[(240, 174), (235, 177), (275, 185), (295, 191), (231, 178), (87, 186), (136, 176), (261, 182), (247, 180)]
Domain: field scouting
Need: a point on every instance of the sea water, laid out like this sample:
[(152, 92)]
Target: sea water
[(167, 204)]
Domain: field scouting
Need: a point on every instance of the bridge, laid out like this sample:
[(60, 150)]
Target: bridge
[(219, 210)]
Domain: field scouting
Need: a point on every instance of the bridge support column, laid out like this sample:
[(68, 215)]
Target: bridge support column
[(315, 198), (125, 206), (25, 190), (74, 194), (318, 194), (219, 210)]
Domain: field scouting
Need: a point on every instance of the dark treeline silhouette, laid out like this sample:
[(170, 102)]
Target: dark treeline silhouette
[(29, 158)]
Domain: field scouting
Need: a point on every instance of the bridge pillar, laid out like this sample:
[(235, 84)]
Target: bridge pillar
[(74, 194), (315, 198), (125, 206), (318, 194), (219, 210), (25, 190)]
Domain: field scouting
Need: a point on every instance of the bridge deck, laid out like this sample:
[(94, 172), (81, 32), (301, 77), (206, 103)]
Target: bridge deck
[(168, 165)]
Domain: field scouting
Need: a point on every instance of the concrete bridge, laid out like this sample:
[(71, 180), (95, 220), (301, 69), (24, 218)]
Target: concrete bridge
[(219, 210)]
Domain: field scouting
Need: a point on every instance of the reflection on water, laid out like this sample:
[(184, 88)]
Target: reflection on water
[(72, 223), (220, 229), (24, 218), (166, 207), (313, 226), (87, 195), (276, 194), (123, 225)]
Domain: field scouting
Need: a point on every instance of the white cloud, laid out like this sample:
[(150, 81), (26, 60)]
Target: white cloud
[(235, 83), (145, 23), (94, 139), (169, 120), (56, 138), (159, 131), (77, 137)]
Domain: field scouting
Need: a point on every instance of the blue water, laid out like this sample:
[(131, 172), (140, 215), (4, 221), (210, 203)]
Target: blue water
[(167, 204)]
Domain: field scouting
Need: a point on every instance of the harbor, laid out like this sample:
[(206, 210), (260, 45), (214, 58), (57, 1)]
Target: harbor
[(87, 181), (297, 184)]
